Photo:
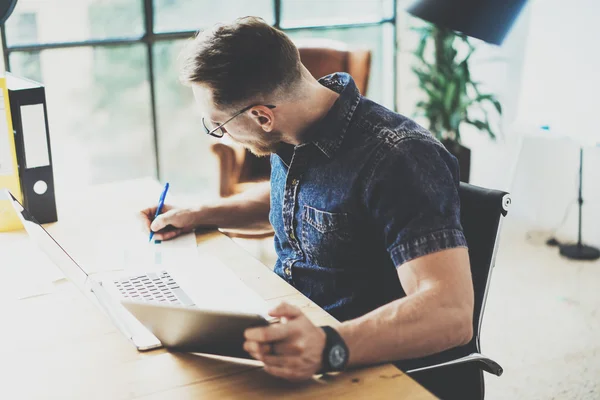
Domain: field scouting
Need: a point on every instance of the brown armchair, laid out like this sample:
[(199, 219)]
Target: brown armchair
[(239, 168)]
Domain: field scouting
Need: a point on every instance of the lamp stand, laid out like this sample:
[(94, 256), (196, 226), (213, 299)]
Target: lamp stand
[(579, 251)]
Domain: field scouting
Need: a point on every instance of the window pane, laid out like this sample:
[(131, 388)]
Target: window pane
[(41, 21), (98, 111), (191, 15), (377, 38), (28, 64), (333, 12), (185, 157)]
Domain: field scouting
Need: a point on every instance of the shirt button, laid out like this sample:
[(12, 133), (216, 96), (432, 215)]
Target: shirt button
[(288, 271), (294, 182), (292, 236)]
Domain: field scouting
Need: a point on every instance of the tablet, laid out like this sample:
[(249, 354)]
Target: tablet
[(196, 330)]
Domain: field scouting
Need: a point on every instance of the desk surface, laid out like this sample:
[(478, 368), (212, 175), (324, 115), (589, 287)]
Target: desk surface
[(59, 345)]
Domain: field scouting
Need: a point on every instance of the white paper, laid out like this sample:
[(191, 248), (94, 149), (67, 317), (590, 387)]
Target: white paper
[(27, 271), (6, 161), (35, 136), (123, 245), (160, 254)]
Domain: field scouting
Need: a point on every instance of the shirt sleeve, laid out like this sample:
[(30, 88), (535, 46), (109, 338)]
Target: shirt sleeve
[(412, 196)]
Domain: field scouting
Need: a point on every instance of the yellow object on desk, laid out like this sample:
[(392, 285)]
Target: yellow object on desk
[(9, 169)]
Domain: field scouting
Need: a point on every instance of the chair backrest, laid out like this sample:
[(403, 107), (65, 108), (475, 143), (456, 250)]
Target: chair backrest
[(482, 211), (324, 56)]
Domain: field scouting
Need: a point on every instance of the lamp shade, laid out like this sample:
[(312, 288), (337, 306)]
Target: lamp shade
[(6, 8), (488, 20)]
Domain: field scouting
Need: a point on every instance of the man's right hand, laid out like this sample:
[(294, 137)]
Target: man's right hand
[(171, 223)]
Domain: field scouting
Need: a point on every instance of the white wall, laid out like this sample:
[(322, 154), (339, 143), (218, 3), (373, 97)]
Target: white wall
[(545, 73), (561, 88)]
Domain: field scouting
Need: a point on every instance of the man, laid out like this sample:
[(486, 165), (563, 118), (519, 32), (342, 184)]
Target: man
[(363, 201)]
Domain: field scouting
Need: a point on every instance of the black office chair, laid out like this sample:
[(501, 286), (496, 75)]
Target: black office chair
[(482, 211)]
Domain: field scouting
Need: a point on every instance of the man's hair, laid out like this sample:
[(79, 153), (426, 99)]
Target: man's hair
[(241, 61)]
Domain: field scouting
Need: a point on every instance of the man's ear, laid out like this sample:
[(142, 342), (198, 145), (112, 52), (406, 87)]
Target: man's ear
[(263, 116)]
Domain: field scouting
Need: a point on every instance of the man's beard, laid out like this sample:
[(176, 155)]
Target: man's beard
[(264, 146)]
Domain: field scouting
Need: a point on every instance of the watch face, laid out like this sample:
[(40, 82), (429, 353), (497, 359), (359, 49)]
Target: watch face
[(337, 356)]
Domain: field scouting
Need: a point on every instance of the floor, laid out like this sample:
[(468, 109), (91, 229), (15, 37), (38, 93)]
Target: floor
[(541, 323)]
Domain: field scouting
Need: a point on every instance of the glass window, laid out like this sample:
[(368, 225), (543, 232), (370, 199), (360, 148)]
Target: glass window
[(73, 20), (186, 160), (28, 64), (25, 28), (99, 99), (295, 13), (377, 38), (191, 15), (98, 112)]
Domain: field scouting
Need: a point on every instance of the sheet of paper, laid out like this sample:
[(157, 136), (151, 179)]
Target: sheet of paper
[(24, 288), (139, 254), (123, 245), (28, 271)]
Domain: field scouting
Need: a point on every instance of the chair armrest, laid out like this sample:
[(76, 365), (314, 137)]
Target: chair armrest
[(257, 234), (485, 363)]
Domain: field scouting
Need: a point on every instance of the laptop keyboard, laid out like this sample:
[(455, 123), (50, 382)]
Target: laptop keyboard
[(157, 287)]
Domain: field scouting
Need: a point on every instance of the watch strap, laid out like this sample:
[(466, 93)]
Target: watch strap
[(332, 338)]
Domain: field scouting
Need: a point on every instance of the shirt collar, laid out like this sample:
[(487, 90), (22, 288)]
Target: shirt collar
[(329, 132)]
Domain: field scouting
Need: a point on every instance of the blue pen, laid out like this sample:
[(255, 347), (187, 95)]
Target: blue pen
[(161, 202)]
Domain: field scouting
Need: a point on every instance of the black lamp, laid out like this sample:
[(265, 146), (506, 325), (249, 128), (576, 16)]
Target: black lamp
[(6, 8), (579, 251), (488, 20)]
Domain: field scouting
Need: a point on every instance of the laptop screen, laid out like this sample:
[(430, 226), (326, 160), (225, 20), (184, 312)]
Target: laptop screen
[(49, 246)]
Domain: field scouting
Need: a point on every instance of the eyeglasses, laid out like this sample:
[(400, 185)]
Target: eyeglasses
[(218, 130)]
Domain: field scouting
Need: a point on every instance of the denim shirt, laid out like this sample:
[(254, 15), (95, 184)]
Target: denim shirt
[(367, 191)]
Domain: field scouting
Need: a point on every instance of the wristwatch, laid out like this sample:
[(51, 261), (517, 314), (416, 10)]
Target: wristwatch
[(335, 353)]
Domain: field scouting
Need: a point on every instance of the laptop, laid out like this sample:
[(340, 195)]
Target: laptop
[(181, 287)]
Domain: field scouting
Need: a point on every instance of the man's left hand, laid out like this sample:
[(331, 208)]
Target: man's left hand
[(291, 349)]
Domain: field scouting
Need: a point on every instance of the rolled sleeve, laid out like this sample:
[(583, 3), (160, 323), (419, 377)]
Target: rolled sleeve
[(427, 244), (413, 199)]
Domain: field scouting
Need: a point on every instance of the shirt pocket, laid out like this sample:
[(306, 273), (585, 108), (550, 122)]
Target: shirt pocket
[(326, 236)]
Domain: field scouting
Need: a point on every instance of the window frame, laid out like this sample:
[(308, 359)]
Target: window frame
[(149, 38)]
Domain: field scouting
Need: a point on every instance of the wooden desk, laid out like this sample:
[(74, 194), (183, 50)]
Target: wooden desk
[(61, 346)]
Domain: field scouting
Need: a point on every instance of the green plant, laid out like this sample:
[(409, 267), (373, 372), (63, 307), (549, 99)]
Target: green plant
[(445, 78)]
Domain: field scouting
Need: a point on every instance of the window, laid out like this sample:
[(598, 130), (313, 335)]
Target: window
[(185, 157), (378, 38), (61, 21), (301, 13), (115, 106), (98, 112), (25, 28), (190, 15)]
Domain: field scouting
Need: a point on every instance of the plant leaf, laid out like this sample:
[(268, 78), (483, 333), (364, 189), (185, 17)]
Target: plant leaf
[(491, 98), (450, 95), (483, 126), (447, 83), (422, 29), (497, 105), (455, 119)]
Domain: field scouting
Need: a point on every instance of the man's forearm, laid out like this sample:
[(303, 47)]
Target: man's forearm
[(415, 326), (245, 211)]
